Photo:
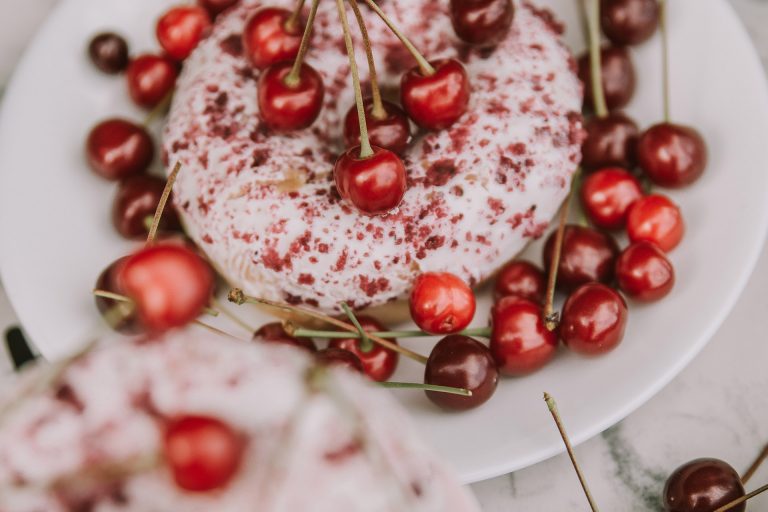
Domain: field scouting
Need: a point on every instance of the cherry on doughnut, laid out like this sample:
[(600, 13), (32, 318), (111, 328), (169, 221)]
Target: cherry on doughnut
[(135, 202), (117, 148), (655, 218), (379, 363), (270, 37), (672, 155), (618, 74), (436, 101), (611, 142), (375, 184), (150, 79), (644, 272), (521, 279), (275, 333), (482, 22), (392, 132), (593, 320), (285, 105), (181, 28), (606, 196), (587, 255), (441, 303)]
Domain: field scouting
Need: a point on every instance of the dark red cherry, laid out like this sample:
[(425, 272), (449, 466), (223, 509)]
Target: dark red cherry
[(109, 52), (611, 142), (629, 22), (437, 101), (285, 107), (618, 74), (672, 155), (655, 218), (461, 362), (375, 184), (521, 279), (269, 38), (441, 303), (644, 272), (275, 333), (482, 22), (379, 363), (593, 320), (216, 7), (606, 196), (134, 207), (703, 485), (520, 343), (181, 29), (586, 255), (392, 131), (119, 315), (336, 357), (150, 79), (117, 148)]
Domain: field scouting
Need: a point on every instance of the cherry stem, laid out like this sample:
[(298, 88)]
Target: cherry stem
[(552, 405), (378, 111), (122, 298), (739, 501), (293, 20), (292, 79), (664, 58), (595, 59), (426, 387), (366, 345), (160, 109), (482, 332), (218, 331), (236, 319), (749, 473), (161, 205), (424, 65)]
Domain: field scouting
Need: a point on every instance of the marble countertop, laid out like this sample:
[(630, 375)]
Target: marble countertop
[(717, 407)]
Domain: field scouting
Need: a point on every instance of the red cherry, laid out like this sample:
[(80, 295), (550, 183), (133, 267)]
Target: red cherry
[(521, 279), (202, 453), (618, 74), (441, 303), (379, 363), (436, 102), (169, 283), (644, 272), (482, 22), (611, 142), (461, 362), (655, 218), (181, 29), (629, 22), (702, 485), (286, 107), (275, 333), (392, 132), (336, 357), (216, 7), (374, 185), (520, 343), (150, 79), (586, 255), (108, 281), (117, 148), (593, 320), (135, 203), (268, 38), (672, 155), (607, 195), (109, 53)]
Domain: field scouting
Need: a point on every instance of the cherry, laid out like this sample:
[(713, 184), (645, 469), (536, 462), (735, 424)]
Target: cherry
[(181, 29), (269, 37), (672, 155), (520, 343), (150, 79), (117, 148), (607, 194), (202, 453), (482, 22), (275, 333), (287, 107), (441, 303), (378, 363), (587, 255), (629, 22), (135, 202), (169, 283), (593, 320), (655, 218), (337, 357), (618, 75), (703, 485), (436, 101), (216, 7), (610, 141), (375, 184), (109, 53), (108, 282), (644, 272), (392, 132), (461, 362), (521, 279)]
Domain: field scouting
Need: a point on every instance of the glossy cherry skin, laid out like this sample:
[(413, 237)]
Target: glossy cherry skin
[(655, 218), (482, 22), (593, 320), (374, 185), (109, 52), (629, 22), (522, 279), (202, 453), (169, 283), (520, 343), (644, 272), (379, 363), (586, 255), (181, 29), (461, 362), (337, 357), (286, 107), (672, 155), (441, 303), (611, 142), (268, 38), (117, 148), (275, 333), (216, 7), (618, 77), (606, 196), (126, 322), (150, 79), (436, 102), (135, 202), (703, 485), (392, 132)]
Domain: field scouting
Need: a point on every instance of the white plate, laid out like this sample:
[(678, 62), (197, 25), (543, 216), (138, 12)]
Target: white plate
[(55, 233)]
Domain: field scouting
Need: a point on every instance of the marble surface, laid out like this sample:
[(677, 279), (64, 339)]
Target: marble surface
[(717, 407)]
